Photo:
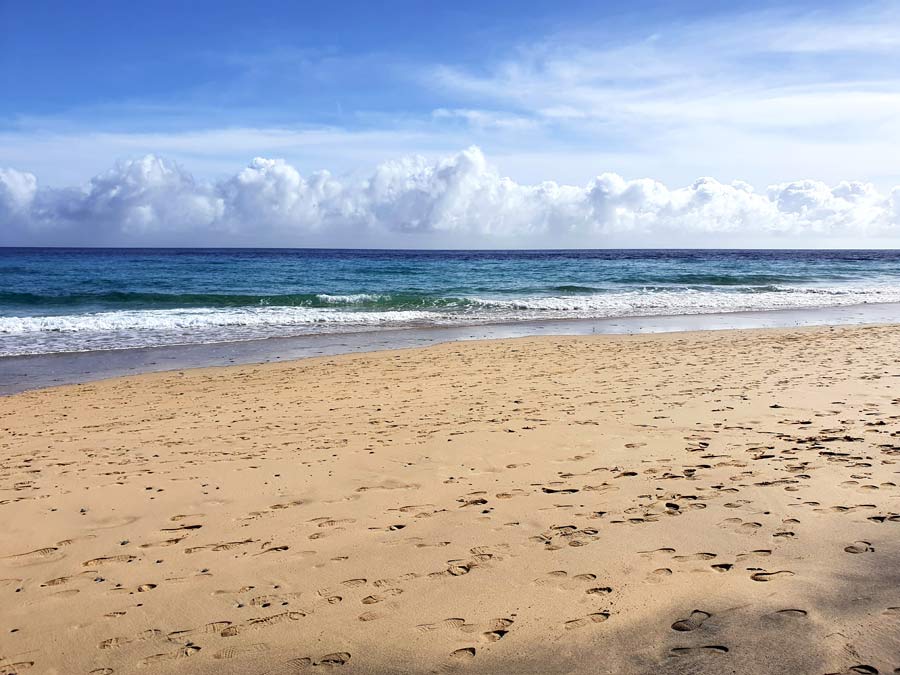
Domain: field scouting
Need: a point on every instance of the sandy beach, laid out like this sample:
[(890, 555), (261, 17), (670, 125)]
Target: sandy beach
[(713, 502)]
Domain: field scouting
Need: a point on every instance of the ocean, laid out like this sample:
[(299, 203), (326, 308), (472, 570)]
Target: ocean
[(76, 300)]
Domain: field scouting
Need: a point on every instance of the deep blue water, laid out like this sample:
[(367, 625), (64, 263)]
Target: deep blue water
[(81, 299)]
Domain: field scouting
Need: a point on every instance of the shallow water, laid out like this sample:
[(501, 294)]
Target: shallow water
[(62, 300), (21, 373)]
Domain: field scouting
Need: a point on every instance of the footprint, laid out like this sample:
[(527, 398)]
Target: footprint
[(768, 576), (499, 625), (463, 654), (458, 569), (693, 622), (684, 651), (596, 617), (40, 555), (291, 667), (164, 543), (515, 492), (181, 528), (384, 595), (695, 556), (113, 643), (287, 505), (262, 622), (329, 522), (792, 613), (183, 653), (859, 547), (224, 546), (446, 624), (58, 581), (239, 652), (760, 552), (208, 629), (336, 659), (274, 549), (109, 559), (268, 600)]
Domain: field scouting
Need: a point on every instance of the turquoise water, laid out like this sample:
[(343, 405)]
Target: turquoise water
[(54, 300)]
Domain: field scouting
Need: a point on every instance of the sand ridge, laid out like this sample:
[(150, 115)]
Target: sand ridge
[(682, 503)]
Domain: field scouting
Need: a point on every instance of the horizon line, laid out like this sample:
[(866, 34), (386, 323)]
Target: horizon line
[(431, 250)]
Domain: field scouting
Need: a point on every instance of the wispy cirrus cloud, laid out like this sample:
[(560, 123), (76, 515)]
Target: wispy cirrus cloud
[(776, 91)]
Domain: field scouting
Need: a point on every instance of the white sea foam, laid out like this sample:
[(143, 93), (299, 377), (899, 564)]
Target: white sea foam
[(688, 301), (348, 299), (139, 328), (200, 318)]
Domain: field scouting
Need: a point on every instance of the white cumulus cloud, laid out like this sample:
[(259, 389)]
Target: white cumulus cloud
[(457, 201)]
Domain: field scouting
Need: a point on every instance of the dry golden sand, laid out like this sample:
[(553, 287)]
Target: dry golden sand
[(688, 503)]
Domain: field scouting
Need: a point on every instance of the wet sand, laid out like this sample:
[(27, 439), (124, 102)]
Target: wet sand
[(713, 502), (37, 371)]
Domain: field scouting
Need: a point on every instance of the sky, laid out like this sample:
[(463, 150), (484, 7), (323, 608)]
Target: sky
[(464, 124)]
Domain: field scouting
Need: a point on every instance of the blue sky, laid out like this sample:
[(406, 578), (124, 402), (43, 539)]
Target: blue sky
[(673, 91), (277, 62), (398, 77)]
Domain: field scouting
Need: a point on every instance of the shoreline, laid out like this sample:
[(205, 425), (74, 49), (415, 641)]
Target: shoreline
[(38, 371)]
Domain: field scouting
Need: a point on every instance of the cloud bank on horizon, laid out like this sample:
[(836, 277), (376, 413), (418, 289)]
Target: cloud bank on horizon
[(458, 201)]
